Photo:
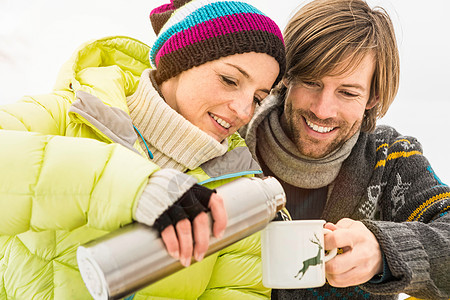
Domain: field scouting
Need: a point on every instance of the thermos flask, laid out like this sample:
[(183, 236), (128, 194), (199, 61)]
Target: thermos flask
[(134, 256)]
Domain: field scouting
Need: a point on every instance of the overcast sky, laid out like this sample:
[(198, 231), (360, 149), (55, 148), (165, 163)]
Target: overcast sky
[(38, 36)]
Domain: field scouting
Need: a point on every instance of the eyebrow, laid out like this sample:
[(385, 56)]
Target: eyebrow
[(246, 75), (239, 69), (355, 85)]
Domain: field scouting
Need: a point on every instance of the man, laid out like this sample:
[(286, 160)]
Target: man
[(316, 133)]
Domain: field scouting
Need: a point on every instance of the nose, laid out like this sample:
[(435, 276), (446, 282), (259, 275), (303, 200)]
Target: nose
[(242, 108), (324, 105)]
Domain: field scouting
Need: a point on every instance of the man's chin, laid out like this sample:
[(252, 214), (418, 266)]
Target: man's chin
[(314, 152)]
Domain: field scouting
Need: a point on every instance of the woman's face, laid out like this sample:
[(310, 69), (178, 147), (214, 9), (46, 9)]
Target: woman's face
[(220, 96)]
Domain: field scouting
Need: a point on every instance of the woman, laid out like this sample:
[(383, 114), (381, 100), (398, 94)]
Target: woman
[(70, 165)]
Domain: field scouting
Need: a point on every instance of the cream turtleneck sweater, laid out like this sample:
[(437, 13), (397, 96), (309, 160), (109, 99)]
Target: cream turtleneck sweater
[(174, 141)]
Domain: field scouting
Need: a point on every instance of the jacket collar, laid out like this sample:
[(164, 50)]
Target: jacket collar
[(112, 122)]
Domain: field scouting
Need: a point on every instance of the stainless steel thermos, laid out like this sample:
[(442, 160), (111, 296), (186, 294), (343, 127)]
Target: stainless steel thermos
[(134, 256)]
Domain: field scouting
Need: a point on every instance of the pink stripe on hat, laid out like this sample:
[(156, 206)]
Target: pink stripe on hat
[(218, 27)]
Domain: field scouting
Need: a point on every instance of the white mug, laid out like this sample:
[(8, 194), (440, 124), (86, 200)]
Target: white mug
[(293, 254)]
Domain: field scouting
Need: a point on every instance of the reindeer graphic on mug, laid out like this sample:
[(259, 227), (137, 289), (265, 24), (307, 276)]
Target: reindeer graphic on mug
[(313, 261)]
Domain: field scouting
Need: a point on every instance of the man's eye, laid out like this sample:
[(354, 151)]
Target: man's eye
[(228, 81), (257, 100), (349, 94), (310, 83)]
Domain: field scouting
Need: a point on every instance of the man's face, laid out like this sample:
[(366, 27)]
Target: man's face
[(323, 114)]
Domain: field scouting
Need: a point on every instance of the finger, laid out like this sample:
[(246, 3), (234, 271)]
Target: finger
[(184, 233), (346, 279), (340, 264), (330, 226), (340, 238), (353, 276), (345, 223), (169, 238), (201, 235), (219, 215)]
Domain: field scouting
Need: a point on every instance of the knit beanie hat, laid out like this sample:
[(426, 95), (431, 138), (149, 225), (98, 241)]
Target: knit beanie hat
[(191, 33)]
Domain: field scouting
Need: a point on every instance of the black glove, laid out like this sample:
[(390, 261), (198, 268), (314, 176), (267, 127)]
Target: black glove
[(191, 203)]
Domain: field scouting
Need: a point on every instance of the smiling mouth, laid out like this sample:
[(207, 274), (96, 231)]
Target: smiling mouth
[(317, 128), (220, 121)]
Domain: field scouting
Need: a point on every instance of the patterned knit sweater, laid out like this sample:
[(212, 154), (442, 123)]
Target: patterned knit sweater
[(389, 185)]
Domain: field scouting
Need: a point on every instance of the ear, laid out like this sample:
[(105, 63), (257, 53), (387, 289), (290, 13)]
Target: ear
[(372, 102), (285, 82)]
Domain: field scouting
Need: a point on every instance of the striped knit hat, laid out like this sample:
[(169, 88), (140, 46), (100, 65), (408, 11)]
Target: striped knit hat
[(191, 33)]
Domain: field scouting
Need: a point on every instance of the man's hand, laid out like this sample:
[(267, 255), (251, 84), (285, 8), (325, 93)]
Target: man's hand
[(361, 259), (184, 242)]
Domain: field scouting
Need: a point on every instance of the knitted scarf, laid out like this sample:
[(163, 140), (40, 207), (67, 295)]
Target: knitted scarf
[(281, 155), (174, 141)]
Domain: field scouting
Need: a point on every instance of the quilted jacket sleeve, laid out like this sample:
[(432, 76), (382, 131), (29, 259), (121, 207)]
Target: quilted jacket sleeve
[(45, 113), (56, 182)]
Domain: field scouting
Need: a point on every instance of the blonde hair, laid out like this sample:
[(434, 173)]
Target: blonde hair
[(330, 37)]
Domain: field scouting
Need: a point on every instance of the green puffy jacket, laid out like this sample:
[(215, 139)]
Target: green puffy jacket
[(65, 180)]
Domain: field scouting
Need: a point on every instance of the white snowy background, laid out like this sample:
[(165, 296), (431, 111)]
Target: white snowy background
[(38, 36)]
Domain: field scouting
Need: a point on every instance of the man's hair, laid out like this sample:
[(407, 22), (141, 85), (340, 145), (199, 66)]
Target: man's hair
[(331, 37)]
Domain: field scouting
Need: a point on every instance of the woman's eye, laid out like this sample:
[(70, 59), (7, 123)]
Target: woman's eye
[(228, 80), (257, 100)]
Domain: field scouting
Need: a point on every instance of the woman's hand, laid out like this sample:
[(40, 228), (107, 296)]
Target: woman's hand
[(185, 227)]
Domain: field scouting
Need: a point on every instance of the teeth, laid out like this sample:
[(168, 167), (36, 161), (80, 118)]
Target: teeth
[(317, 128), (223, 123)]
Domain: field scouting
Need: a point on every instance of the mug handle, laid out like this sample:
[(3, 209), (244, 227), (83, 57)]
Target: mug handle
[(332, 253)]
